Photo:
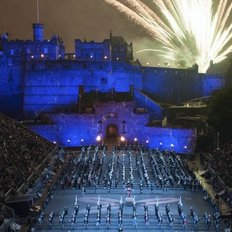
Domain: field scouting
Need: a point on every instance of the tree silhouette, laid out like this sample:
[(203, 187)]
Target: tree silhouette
[(220, 112)]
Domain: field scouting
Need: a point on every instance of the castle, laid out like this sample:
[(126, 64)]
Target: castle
[(97, 90)]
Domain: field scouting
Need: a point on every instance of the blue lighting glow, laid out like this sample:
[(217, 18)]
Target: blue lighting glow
[(44, 82), (74, 132), (211, 83)]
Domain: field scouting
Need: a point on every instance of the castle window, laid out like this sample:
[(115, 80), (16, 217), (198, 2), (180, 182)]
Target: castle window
[(12, 52), (104, 81), (45, 50), (28, 51), (124, 127), (100, 127)]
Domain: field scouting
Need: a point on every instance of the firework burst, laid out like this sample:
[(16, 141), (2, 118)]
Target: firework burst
[(190, 31)]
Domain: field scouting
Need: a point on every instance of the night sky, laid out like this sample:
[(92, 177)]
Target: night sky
[(75, 19)]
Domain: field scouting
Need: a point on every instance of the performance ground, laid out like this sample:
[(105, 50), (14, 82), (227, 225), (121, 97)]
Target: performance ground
[(64, 200)]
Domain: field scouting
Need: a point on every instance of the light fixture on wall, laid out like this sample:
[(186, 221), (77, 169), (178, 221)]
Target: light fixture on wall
[(98, 138), (122, 139)]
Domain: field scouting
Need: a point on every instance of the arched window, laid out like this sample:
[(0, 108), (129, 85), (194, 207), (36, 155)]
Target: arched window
[(124, 127), (99, 127)]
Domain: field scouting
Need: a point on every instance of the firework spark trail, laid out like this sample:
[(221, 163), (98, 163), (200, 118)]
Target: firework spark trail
[(153, 16), (137, 19), (146, 13), (190, 31)]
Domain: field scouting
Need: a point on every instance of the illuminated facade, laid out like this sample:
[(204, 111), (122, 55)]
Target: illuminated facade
[(37, 77)]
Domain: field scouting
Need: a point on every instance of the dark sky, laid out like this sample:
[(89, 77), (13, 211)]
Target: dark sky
[(75, 19), (72, 19)]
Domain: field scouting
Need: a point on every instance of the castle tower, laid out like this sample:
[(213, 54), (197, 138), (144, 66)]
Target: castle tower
[(38, 31), (38, 28)]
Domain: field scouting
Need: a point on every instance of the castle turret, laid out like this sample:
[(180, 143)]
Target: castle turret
[(38, 31)]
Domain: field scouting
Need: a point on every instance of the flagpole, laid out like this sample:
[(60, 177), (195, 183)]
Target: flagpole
[(37, 11)]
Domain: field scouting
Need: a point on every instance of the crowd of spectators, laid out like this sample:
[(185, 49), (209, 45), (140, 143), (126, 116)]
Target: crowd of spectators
[(222, 163), (219, 163), (21, 152)]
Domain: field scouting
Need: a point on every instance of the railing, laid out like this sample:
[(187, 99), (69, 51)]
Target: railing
[(222, 185), (38, 169), (7, 211), (154, 108)]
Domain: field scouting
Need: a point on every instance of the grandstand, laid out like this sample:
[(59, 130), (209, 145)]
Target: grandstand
[(99, 142), (96, 188)]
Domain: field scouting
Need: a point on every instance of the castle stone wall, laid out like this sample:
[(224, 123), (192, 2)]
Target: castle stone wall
[(11, 85), (178, 85)]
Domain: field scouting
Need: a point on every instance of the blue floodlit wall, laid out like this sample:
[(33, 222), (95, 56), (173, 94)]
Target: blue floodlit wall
[(179, 140), (122, 112), (71, 130), (11, 79), (113, 49), (35, 77), (169, 85), (50, 86), (178, 85), (92, 50), (52, 49), (142, 101), (71, 134), (210, 83), (47, 86)]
